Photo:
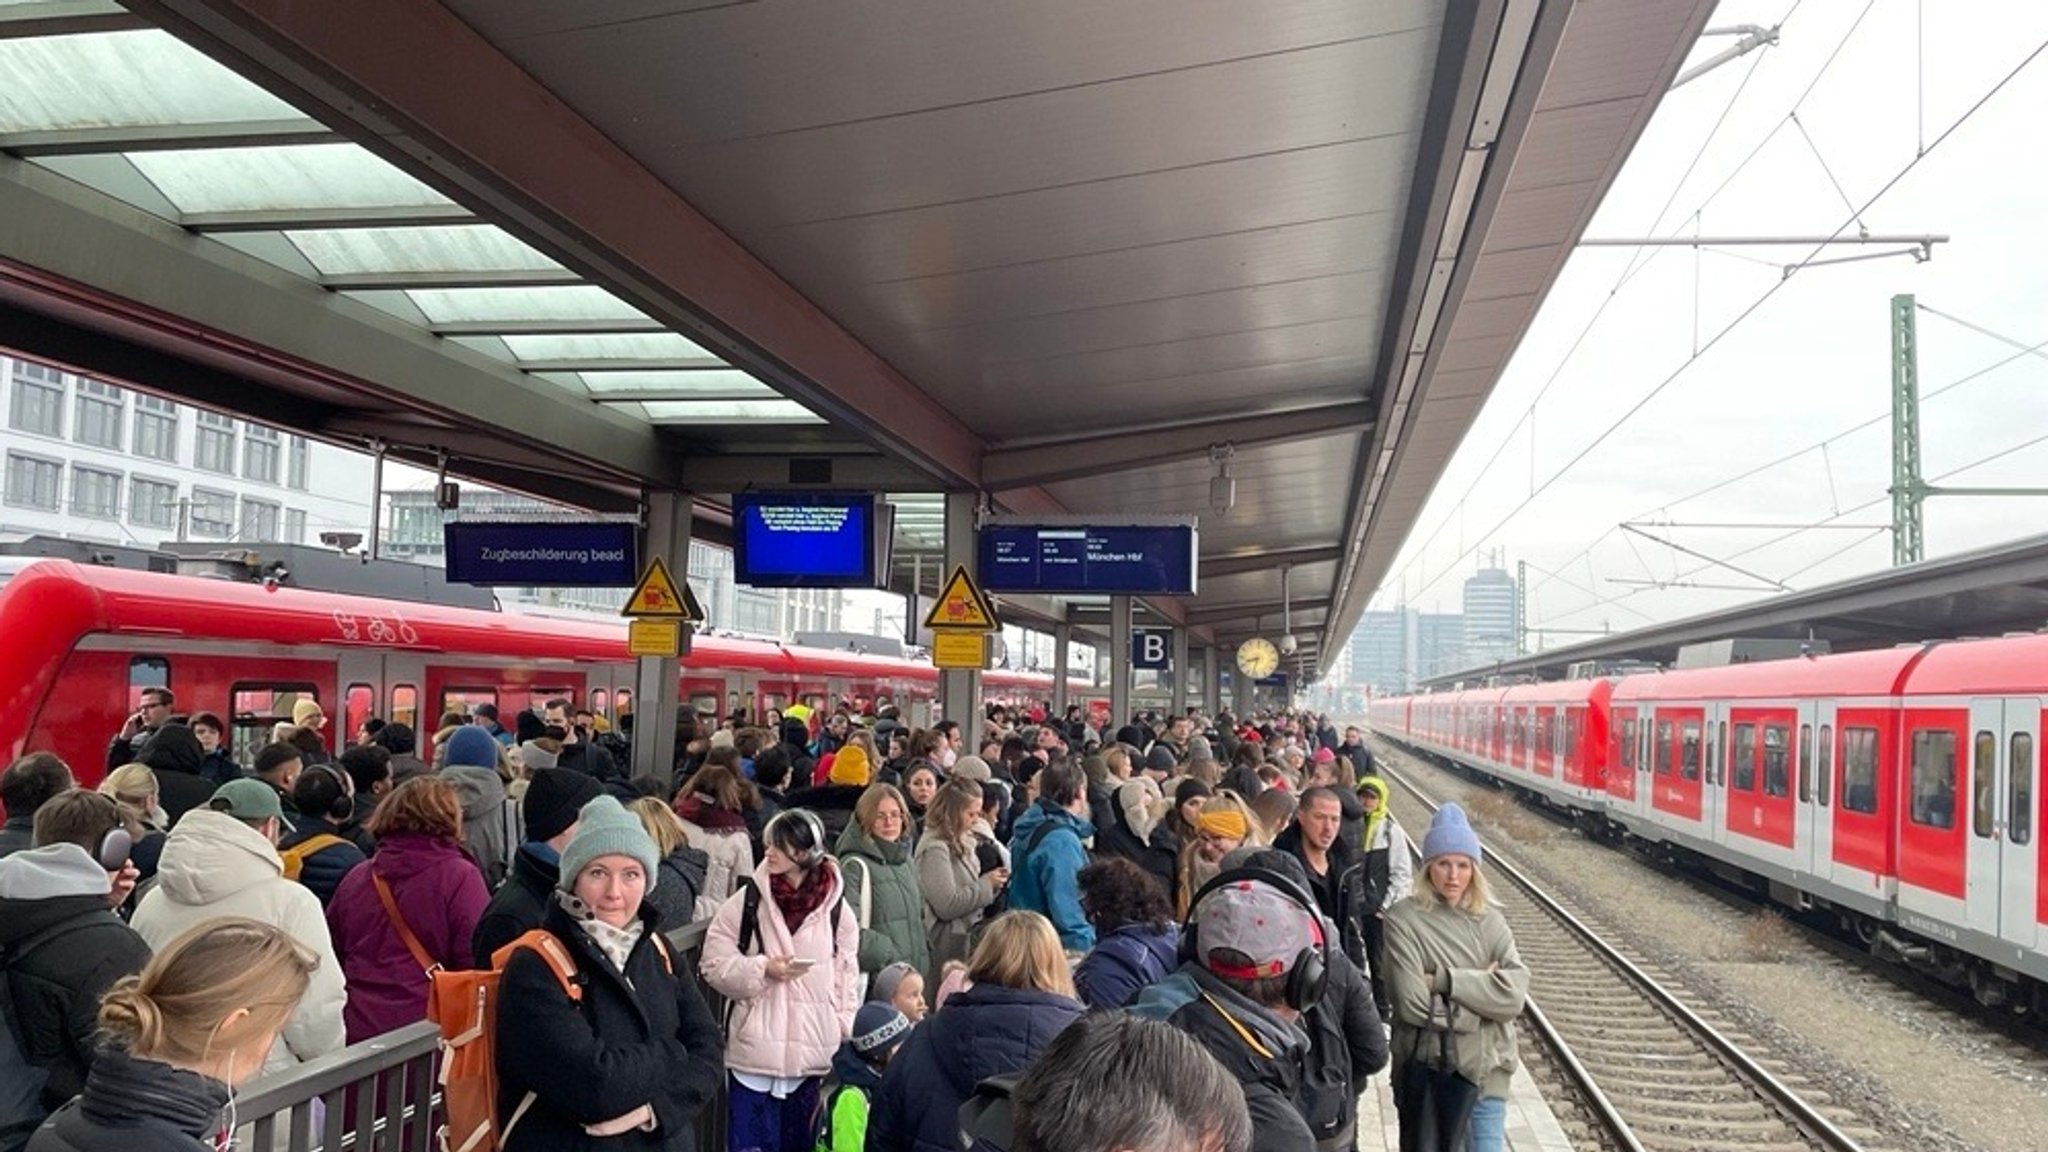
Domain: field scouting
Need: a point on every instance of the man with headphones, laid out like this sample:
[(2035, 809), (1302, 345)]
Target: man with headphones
[(317, 852), (1254, 957)]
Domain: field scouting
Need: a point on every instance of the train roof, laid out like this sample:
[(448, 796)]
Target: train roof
[(2010, 665), (1859, 674)]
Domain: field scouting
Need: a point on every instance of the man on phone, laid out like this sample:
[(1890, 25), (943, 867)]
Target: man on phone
[(140, 726)]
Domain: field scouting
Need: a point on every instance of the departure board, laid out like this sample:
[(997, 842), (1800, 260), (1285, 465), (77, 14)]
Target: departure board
[(1118, 560)]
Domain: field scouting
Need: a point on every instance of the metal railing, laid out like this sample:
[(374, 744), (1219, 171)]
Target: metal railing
[(383, 1094)]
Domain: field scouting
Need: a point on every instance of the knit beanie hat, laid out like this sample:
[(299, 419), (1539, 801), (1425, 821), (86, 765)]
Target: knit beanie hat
[(1161, 759), (971, 768), (877, 1029), (851, 767), (888, 980), (1199, 749), (1450, 835), (1191, 789), (306, 711), (722, 738), (553, 797), (607, 829), (1325, 756), (471, 745)]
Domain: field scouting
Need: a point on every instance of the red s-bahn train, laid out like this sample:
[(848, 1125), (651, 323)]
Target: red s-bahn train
[(1899, 788), (81, 643)]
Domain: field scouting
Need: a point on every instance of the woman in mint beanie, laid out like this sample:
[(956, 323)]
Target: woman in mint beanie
[(640, 1051), (1452, 965)]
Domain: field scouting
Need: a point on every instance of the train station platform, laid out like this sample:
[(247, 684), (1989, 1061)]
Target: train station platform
[(1532, 1126)]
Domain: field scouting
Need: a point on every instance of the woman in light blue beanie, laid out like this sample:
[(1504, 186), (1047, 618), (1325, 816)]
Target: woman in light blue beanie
[(1452, 964)]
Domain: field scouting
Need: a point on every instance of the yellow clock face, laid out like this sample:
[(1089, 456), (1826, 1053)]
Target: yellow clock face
[(1257, 658)]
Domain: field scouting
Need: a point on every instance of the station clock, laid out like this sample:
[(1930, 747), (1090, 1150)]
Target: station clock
[(1257, 658)]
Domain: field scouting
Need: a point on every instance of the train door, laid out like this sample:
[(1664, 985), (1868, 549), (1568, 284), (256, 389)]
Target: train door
[(1714, 797), (358, 686), (1999, 884), (405, 679), (1815, 843)]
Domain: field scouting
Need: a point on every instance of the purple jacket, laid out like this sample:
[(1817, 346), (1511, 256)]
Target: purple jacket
[(440, 895)]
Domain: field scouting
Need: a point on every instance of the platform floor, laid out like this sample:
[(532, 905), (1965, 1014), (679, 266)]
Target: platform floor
[(1532, 1127)]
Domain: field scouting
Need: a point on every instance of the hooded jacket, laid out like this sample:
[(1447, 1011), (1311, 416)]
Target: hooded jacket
[(63, 948), (845, 1124), (491, 827), (1266, 1054), (725, 839), (1348, 1043), (1044, 876), (179, 762), (680, 880), (640, 1036), (956, 894), (882, 872), (1426, 935), (986, 1030), (1143, 845), (215, 865), (1389, 868), (1130, 958), (440, 895), (520, 904), (787, 1028), (1340, 892), (132, 1105), (832, 802)]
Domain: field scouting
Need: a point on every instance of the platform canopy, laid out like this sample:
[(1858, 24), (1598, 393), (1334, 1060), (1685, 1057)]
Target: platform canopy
[(1063, 253)]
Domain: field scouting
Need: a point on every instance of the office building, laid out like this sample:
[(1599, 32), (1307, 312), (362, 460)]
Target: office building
[(1491, 612)]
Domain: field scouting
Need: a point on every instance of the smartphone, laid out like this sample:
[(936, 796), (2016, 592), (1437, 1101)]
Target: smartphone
[(115, 848), (802, 964)]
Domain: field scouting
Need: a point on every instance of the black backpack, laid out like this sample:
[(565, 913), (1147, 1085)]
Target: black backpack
[(986, 1124)]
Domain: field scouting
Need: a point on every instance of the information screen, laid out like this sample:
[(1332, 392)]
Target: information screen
[(804, 539), (544, 554), (1130, 560)]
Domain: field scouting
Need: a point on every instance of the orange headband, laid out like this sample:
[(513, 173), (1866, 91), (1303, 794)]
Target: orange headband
[(1225, 823)]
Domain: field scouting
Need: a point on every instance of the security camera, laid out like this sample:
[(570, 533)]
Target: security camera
[(1288, 644), (344, 541)]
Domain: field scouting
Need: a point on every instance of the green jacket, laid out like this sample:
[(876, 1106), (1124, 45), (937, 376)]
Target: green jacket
[(1471, 960), (846, 1122), (880, 874)]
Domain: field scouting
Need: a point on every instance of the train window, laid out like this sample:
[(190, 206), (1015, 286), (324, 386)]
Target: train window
[(601, 702), (358, 704), (1825, 778), (461, 700), (146, 672), (1777, 753), (1859, 770), (622, 704), (1805, 763), (1933, 778), (1742, 759), (2020, 790), (1574, 719), (1663, 749), (537, 698), (256, 709), (1689, 752), (1628, 744), (1983, 784), (405, 706)]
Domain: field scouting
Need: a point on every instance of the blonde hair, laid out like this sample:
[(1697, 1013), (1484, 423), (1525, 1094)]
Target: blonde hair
[(174, 1010), (663, 826), (1478, 893), (870, 805), (134, 788), (952, 813), (1019, 949)]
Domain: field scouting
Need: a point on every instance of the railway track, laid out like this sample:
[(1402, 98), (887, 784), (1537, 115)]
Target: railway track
[(1652, 1073)]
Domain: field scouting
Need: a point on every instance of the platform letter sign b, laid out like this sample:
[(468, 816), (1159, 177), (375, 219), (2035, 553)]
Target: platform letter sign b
[(1150, 650)]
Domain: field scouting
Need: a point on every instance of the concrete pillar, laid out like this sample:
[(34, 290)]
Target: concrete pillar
[(960, 690), (657, 682), (1062, 635), (1212, 678), (1182, 669), (1119, 660)]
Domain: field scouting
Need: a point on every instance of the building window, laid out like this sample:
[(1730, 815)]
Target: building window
[(213, 513), (214, 448), (38, 404), (295, 525), (32, 482), (259, 520), (156, 428), (98, 422), (152, 503), (95, 493), (261, 449), (1934, 778), (301, 459)]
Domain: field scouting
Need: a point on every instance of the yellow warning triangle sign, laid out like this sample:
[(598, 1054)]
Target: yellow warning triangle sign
[(657, 594), (961, 605)]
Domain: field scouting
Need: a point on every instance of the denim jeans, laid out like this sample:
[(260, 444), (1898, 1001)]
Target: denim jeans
[(1489, 1128)]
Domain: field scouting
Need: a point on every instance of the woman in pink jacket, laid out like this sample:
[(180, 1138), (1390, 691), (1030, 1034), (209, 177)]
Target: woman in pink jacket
[(786, 952)]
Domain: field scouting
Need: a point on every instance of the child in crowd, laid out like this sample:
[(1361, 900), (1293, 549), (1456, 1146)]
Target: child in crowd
[(901, 986), (878, 1030)]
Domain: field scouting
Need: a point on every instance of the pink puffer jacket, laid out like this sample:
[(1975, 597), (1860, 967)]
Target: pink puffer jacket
[(790, 1028)]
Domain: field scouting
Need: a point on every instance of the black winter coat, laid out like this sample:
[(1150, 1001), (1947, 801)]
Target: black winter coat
[(984, 1031), (1271, 1073), (644, 1037), (323, 870), (832, 802), (519, 905), (132, 1105), (1159, 855), (1347, 1044), (75, 949), (1347, 876), (680, 878)]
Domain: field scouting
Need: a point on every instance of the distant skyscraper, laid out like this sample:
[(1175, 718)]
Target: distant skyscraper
[(1394, 650), (1490, 614)]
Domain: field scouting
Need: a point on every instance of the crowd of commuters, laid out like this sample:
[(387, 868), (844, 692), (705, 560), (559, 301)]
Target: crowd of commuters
[(1058, 936)]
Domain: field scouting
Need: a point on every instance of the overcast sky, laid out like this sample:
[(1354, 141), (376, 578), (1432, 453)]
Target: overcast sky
[(1807, 363)]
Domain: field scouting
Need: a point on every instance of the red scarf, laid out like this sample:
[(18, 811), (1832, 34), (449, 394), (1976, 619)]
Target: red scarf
[(705, 813), (797, 901)]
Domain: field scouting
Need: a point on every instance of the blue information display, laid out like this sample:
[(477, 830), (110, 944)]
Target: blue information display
[(542, 554), (1120, 560), (806, 540)]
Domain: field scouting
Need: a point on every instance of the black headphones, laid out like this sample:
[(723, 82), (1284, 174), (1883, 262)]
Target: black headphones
[(344, 804), (811, 827), (1310, 970)]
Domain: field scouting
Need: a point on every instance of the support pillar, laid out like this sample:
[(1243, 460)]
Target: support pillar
[(959, 689), (1181, 671), (1212, 679), (1908, 488), (1062, 636), (657, 681), (1119, 660)]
